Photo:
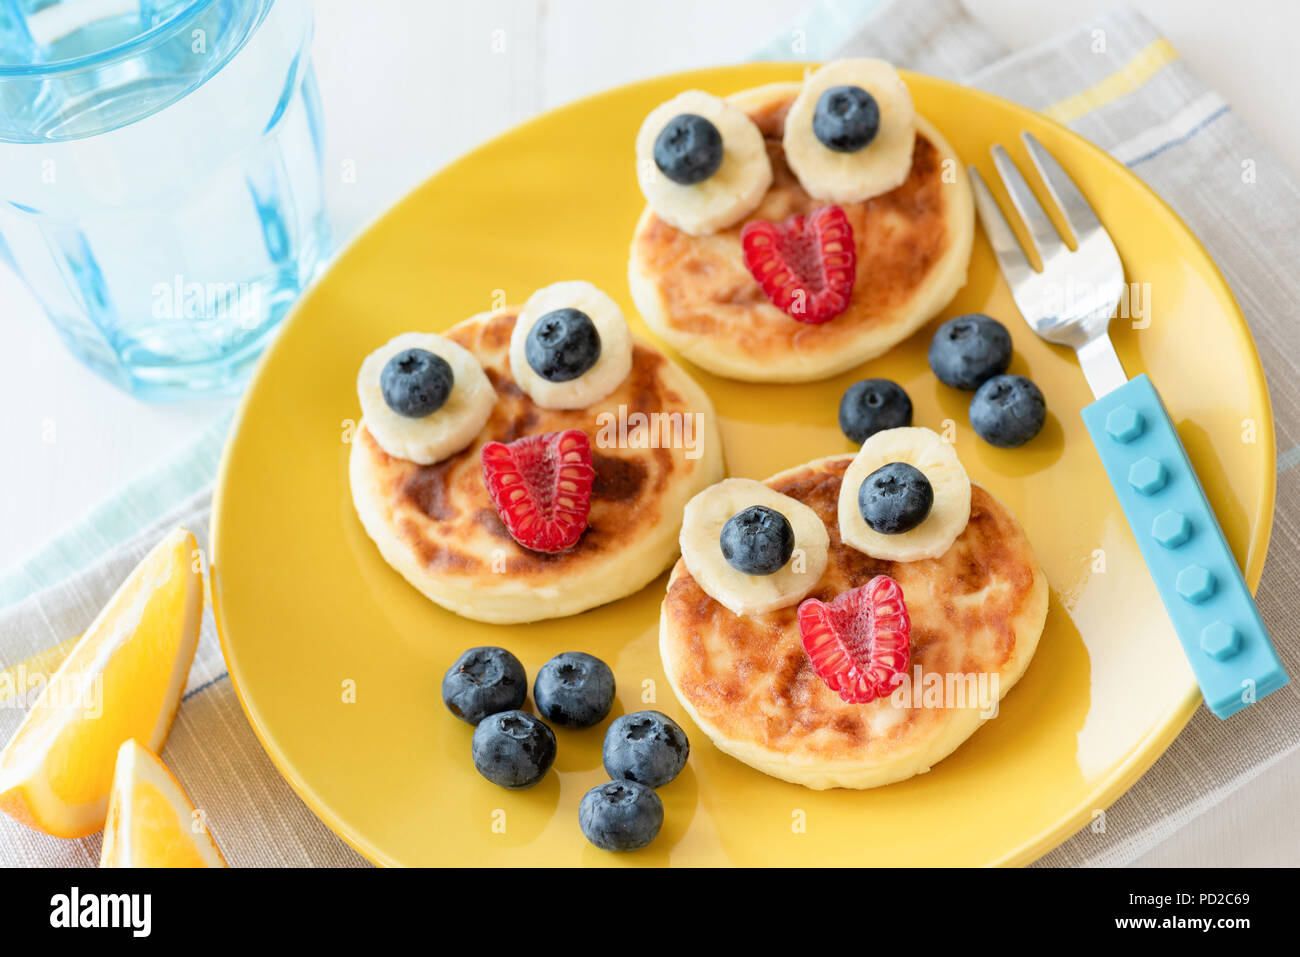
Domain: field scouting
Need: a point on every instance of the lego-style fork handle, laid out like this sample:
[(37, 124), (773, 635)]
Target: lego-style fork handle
[(1212, 610)]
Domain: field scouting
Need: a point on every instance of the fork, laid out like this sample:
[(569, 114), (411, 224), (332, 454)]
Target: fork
[(1211, 608)]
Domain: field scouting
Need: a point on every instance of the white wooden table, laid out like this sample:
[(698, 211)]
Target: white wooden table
[(408, 85)]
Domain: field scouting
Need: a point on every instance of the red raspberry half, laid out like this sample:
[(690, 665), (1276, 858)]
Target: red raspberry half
[(541, 487), (805, 265), (860, 643)]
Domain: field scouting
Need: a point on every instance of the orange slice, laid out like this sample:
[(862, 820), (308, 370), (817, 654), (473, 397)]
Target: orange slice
[(123, 680), (151, 820)]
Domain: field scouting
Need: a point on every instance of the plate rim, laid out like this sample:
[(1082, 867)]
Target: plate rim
[(1122, 776)]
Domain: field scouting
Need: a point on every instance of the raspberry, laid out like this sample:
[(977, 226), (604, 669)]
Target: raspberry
[(805, 265), (860, 643), (541, 487)]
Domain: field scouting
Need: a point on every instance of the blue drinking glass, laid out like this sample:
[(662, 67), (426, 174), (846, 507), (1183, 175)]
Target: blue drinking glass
[(160, 180)]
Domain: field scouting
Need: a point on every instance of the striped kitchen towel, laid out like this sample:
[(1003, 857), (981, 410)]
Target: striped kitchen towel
[(1116, 81)]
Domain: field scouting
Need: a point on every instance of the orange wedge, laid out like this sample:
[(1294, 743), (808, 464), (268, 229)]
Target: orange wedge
[(151, 820), (123, 680)]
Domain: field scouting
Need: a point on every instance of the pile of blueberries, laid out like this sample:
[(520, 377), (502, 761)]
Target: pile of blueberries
[(970, 352), (486, 687)]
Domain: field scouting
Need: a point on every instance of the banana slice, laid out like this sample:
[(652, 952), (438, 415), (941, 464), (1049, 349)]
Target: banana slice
[(441, 433), (743, 594), (613, 356), (935, 457), (734, 189), (878, 167)]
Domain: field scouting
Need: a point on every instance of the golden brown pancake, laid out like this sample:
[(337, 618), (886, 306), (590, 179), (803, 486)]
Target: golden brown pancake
[(438, 527), (977, 609), (913, 246)]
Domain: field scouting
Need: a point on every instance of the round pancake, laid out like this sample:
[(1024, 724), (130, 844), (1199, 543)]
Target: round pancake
[(746, 681), (437, 526), (913, 246)]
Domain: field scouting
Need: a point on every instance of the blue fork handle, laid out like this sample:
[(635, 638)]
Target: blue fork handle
[(1212, 610)]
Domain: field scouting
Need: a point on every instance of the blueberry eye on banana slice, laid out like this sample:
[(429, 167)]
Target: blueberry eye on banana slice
[(850, 131), (904, 497), (702, 163), (424, 398), (757, 541), (570, 347), (895, 498), (752, 549)]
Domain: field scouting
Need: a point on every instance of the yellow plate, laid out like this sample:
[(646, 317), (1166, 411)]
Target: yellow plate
[(338, 661)]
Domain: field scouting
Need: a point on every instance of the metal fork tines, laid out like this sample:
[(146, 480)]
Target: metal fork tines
[(1071, 300)]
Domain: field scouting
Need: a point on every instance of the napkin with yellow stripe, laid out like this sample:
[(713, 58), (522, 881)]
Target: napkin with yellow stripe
[(1115, 81)]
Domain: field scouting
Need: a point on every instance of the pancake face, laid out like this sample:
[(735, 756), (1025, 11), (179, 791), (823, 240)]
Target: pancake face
[(913, 245), (977, 610), (437, 526)]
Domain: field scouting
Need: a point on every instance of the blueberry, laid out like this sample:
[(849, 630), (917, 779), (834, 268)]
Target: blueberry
[(895, 498), (513, 749), (574, 689), (416, 383), (562, 345), (647, 747), (1007, 411), (847, 118), (621, 815), (484, 681), (967, 351), (689, 149), (757, 540), (871, 406)]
